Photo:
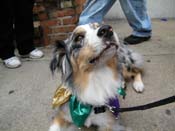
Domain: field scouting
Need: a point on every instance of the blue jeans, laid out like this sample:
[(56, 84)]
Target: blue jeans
[(134, 10)]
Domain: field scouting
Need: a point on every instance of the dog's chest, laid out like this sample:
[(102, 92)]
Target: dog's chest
[(102, 86)]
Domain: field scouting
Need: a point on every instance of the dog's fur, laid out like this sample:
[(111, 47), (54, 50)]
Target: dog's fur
[(93, 66)]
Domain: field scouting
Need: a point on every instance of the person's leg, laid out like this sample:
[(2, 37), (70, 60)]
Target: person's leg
[(94, 11), (136, 14), (6, 29), (24, 30)]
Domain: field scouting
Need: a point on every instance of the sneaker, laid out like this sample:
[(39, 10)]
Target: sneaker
[(12, 62), (36, 54), (132, 40)]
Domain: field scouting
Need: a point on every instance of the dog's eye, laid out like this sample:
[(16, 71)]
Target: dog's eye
[(102, 32), (76, 46), (79, 38)]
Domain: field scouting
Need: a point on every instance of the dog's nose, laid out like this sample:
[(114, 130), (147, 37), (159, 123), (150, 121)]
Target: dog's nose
[(105, 31)]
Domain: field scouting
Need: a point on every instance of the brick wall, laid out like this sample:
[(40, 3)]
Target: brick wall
[(55, 22)]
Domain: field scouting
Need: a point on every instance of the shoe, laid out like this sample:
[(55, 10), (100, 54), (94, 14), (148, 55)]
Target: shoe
[(132, 40), (35, 54), (12, 62)]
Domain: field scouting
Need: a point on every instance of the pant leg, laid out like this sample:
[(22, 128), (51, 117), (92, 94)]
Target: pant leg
[(95, 10), (136, 14), (6, 29), (24, 30)]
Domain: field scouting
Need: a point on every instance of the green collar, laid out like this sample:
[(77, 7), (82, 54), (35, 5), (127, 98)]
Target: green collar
[(79, 112)]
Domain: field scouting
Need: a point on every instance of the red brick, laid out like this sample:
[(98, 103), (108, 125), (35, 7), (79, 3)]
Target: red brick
[(63, 29), (79, 9), (54, 38), (45, 39), (49, 23), (62, 13), (38, 42), (38, 8), (35, 10), (71, 20), (80, 2), (46, 30), (69, 12), (57, 13), (43, 16), (38, 0)]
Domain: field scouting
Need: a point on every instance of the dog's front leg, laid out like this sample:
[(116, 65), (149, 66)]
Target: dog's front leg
[(56, 125), (138, 83)]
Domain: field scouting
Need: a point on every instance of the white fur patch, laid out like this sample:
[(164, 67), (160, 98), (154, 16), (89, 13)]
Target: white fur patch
[(54, 127), (138, 86), (101, 87), (100, 119)]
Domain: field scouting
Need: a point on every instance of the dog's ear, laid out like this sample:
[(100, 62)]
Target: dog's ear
[(58, 55), (61, 60)]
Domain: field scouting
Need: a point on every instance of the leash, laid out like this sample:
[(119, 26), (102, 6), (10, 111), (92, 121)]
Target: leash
[(145, 107)]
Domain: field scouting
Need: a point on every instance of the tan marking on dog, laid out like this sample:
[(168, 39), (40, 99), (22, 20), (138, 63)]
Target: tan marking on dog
[(74, 64), (79, 30), (59, 119), (81, 79), (112, 64), (135, 73), (127, 74), (82, 67), (83, 59), (138, 77), (137, 70)]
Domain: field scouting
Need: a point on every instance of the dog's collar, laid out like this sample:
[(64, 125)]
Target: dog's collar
[(79, 111), (112, 104), (99, 109)]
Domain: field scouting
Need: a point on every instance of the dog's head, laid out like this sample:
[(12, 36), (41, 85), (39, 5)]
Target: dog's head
[(89, 47)]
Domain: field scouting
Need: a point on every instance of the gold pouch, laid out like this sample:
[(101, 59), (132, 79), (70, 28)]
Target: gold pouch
[(61, 96)]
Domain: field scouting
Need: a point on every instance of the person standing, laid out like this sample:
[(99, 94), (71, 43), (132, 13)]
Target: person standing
[(17, 24), (134, 10)]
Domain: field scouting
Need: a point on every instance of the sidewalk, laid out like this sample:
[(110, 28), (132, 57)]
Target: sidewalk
[(26, 92)]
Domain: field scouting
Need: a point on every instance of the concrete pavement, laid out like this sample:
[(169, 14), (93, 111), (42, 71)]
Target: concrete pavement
[(26, 92)]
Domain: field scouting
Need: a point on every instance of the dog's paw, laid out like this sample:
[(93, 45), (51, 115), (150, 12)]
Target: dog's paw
[(138, 86), (54, 127)]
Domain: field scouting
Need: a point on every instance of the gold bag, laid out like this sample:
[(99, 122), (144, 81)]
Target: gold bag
[(61, 96)]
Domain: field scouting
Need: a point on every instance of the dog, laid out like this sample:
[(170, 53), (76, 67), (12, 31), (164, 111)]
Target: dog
[(93, 64)]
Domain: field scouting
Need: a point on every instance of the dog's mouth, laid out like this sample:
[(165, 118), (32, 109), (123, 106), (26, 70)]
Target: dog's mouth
[(108, 46)]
